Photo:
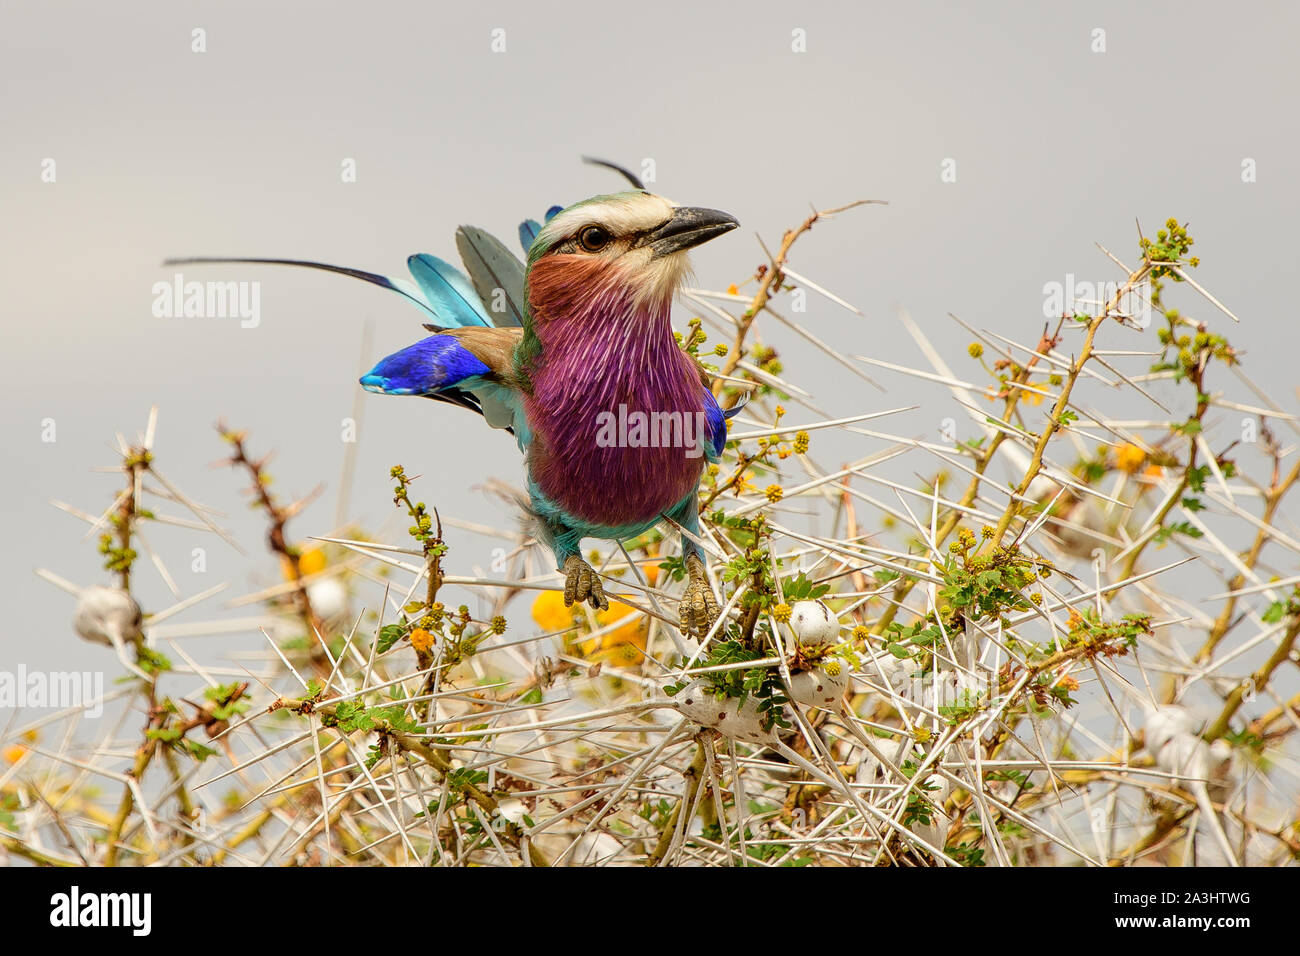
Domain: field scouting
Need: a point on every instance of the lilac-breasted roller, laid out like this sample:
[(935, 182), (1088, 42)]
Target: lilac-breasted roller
[(574, 353)]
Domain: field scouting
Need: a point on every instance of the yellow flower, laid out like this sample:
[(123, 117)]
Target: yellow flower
[(15, 753), (650, 568), (550, 613), (421, 640), (626, 655), (774, 493), (651, 571), (732, 290), (622, 645), (629, 632), (312, 561), (1129, 457), (782, 612), (309, 562)]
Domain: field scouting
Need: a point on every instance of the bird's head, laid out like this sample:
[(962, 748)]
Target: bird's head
[(628, 247)]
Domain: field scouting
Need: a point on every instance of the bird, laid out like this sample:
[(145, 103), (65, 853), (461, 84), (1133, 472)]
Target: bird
[(572, 351)]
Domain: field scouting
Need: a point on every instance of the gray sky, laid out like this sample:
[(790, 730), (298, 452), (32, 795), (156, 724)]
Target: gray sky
[(162, 151)]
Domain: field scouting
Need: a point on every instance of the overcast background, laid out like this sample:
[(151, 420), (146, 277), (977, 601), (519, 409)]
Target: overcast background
[(162, 151)]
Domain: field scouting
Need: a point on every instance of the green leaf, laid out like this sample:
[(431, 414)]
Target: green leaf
[(389, 635)]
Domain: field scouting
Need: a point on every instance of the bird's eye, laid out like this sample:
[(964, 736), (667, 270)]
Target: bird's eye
[(594, 238)]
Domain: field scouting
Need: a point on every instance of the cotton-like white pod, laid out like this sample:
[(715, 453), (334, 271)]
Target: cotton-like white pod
[(1171, 739), (813, 623), (942, 788), (1221, 756), (329, 598), (513, 810), (871, 770), (595, 849), (935, 832), (1170, 736), (1190, 759), (886, 670), (1164, 723), (729, 716), (1186, 756), (823, 686), (107, 616)]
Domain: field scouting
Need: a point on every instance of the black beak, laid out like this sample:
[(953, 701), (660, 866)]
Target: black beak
[(689, 226)]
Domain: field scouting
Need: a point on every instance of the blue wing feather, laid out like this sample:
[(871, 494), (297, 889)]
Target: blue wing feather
[(428, 367), (448, 292), (440, 367), (717, 422), (528, 230)]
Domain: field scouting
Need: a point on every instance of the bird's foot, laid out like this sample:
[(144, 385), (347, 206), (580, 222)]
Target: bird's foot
[(699, 608), (581, 583)]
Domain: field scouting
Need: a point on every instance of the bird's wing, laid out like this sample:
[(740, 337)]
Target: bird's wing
[(492, 346), (469, 366), (430, 366), (448, 291), (717, 418), (497, 274)]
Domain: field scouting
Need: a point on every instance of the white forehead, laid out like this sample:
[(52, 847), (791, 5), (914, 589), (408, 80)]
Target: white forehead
[(620, 214)]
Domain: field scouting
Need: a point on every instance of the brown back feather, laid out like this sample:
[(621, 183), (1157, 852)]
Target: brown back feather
[(495, 348)]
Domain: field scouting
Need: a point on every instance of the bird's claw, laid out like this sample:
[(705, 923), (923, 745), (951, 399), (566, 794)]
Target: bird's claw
[(581, 583), (699, 608)]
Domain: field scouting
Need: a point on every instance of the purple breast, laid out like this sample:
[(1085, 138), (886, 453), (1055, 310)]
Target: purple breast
[(617, 423)]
